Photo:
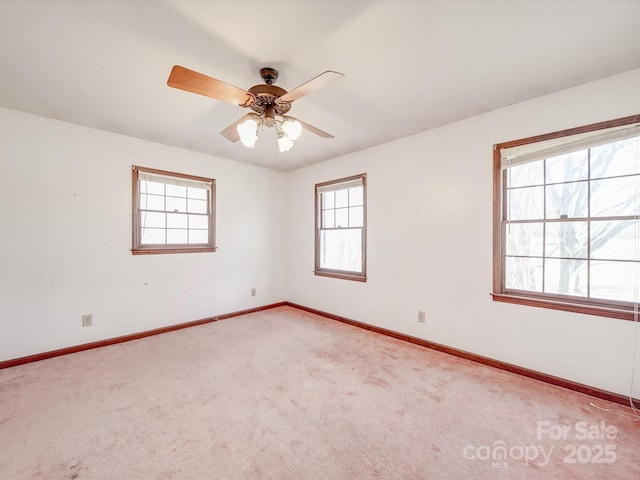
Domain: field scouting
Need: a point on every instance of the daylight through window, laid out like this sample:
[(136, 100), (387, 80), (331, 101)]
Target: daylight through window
[(568, 219), (341, 228), (172, 213)]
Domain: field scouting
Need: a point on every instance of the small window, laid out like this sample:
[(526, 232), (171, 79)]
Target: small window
[(172, 212), (567, 219), (341, 214)]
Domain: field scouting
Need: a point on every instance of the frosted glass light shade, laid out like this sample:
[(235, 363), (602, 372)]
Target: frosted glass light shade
[(248, 132), (284, 143), (292, 128)]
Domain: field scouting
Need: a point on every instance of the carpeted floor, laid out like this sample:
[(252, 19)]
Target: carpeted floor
[(285, 395)]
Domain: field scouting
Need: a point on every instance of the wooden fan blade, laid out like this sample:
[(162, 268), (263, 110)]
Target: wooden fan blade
[(231, 132), (195, 82), (312, 85), (312, 129)]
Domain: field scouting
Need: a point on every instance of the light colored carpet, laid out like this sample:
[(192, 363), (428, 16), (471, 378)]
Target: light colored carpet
[(283, 394)]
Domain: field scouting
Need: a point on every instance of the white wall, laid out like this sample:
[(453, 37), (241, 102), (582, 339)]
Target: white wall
[(65, 238), (430, 243)]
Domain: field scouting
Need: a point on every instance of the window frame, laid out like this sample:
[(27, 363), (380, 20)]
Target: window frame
[(360, 276), (605, 308), (141, 249)]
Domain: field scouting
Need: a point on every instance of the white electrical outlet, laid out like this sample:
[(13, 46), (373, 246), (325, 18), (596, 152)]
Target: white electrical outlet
[(87, 320), (253, 292), (421, 317)]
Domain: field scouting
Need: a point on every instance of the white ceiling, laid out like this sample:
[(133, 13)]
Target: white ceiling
[(409, 65)]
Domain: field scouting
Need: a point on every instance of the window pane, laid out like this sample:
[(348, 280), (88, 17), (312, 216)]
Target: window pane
[(198, 236), (615, 196), (342, 217), (567, 200), (328, 219), (356, 217), (151, 202), (152, 219), (567, 239), (527, 174), (526, 203), (176, 236), (328, 200), (198, 221), (522, 273), (615, 281), (176, 191), (565, 277), (615, 240), (152, 236), (342, 198), (176, 220), (197, 206), (356, 196), (524, 239), (176, 204), (568, 167), (341, 249), (151, 187), (197, 193), (617, 158)]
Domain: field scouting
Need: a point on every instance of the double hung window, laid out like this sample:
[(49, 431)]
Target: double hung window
[(340, 243), (567, 219), (172, 212)]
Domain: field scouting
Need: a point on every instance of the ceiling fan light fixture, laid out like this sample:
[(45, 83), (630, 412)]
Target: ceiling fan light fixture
[(292, 128), (248, 132)]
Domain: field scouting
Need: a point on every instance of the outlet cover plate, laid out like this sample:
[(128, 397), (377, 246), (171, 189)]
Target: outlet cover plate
[(87, 320)]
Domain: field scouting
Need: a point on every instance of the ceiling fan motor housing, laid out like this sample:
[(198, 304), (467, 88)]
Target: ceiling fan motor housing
[(266, 96)]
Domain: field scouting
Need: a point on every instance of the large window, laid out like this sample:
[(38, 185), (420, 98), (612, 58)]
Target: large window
[(172, 212), (567, 219), (341, 228)]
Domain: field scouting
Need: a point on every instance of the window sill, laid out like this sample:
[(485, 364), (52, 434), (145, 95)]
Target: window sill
[(341, 275), (601, 311), (164, 250)]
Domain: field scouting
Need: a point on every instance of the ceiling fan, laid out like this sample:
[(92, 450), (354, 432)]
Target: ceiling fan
[(270, 103)]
